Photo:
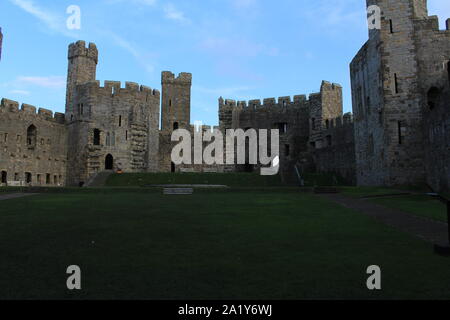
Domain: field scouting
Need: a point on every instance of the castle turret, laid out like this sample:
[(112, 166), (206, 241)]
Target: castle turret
[(176, 100), (82, 69)]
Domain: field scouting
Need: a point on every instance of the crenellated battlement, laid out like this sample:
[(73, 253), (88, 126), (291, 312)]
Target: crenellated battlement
[(431, 23), (286, 101), (7, 105), (339, 122), (168, 77), (79, 49), (326, 85), (115, 88)]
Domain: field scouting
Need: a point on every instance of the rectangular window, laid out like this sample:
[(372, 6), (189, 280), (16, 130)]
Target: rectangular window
[(47, 178), (401, 132), (6, 137), (287, 150), (282, 127)]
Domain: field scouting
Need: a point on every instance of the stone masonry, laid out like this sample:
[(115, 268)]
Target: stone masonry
[(400, 71)]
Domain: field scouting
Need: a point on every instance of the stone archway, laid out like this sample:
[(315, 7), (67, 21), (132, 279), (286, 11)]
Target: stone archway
[(109, 162)]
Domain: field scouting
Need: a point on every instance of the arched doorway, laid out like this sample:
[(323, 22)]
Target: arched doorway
[(109, 162)]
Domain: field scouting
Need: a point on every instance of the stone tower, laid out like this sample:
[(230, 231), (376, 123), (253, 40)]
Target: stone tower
[(386, 99), (82, 69), (176, 101)]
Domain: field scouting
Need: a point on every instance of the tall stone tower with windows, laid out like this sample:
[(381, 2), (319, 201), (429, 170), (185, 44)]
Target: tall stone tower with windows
[(176, 101), (390, 80), (82, 69)]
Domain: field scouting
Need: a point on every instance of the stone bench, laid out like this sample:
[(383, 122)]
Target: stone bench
[(178, 191)]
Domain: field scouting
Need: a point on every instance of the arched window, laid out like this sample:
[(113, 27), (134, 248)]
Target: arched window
[(433, 97), (31, 136), (96, 137), (175, 126)]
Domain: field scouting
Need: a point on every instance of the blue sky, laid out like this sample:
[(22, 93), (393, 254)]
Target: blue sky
[(238, 49)]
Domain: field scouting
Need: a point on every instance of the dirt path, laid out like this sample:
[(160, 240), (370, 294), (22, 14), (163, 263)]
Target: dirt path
[(426, 229), (15, 195)]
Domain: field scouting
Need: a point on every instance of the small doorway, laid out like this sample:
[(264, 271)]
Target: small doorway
[(4, 177), (109, 162), (172, 167)]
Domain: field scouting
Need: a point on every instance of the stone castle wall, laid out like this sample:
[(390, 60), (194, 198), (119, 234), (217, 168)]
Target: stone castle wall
[(391, 76), (33, 146), (433, 54), (122, 123)]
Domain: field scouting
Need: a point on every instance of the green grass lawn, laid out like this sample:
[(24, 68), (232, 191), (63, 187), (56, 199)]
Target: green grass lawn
[(215, 245)]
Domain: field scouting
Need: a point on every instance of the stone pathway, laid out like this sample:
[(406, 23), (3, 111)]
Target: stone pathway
[(426, 229), (15, 195)]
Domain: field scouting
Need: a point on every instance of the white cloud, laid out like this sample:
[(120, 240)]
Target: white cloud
[(51, 82), (172, 13), (134, 51), (53, 21)]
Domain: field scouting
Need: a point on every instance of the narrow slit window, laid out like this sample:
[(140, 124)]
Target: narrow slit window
[(391, 26), (396, 82), (120, 121)]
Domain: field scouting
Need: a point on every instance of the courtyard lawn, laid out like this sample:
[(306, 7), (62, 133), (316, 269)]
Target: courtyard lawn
[(211, 245)]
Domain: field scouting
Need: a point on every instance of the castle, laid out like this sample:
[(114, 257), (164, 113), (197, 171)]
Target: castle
[(399, 133)]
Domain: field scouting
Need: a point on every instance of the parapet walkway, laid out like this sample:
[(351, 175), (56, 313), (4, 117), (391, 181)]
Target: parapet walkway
[(426, 229)]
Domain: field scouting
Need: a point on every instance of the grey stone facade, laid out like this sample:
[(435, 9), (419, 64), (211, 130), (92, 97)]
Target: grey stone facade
[(392, 76), (33, 146), (311, 133)]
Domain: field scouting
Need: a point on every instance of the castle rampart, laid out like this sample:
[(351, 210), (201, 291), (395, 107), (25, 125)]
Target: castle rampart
[(33, 145)]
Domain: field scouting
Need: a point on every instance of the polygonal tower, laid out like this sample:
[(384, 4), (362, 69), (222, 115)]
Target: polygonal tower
[(82, 69), (386, 98), (176, 101)]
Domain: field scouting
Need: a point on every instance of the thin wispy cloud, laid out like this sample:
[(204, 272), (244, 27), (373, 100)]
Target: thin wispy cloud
[(54, 22), (20, 92), (173, 13), (50, 82), (137, 53)]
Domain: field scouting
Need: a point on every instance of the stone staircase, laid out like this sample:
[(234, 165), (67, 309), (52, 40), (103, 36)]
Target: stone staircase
[(99, 179)]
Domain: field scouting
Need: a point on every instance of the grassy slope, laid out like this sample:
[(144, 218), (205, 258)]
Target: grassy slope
[(213, 246)]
